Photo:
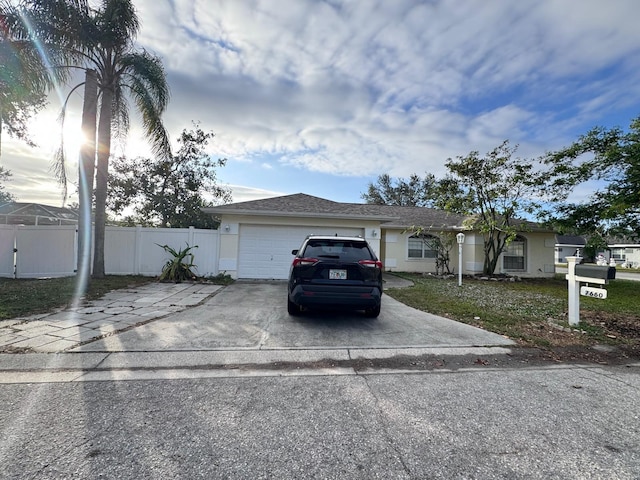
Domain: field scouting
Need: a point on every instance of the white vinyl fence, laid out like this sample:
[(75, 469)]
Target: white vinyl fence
[(51, 251)]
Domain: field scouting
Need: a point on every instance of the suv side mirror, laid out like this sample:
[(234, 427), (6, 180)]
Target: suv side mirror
[(294, 252)]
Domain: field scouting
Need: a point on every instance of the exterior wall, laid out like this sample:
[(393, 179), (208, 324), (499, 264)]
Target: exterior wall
[(539, 261), (564, 251), (473, 254), (396, 257), (540, 256), (627, 255), (230, 233)]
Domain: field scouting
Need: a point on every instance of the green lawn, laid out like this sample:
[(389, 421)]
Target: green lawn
[(25, 297), (531, 310)]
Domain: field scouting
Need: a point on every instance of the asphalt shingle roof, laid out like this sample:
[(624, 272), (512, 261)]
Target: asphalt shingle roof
[(570, 240), (307, 205)]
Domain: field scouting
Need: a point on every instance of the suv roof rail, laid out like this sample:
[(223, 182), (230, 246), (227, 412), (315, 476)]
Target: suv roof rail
[(334, 235)]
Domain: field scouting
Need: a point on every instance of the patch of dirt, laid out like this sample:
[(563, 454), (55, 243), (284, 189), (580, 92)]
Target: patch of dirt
[(615, 324), (601, 337), (601, 354), (520, 357)]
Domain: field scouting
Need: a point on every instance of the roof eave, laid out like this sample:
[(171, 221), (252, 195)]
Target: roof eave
[(277, 213), (430, 228)]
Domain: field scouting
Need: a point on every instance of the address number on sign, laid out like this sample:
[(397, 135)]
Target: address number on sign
[(593, 292)]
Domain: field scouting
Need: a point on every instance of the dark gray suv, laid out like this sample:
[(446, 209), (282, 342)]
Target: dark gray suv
[(341, 272)]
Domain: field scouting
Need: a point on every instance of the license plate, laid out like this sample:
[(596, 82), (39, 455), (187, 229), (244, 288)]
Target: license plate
[(337, 274)]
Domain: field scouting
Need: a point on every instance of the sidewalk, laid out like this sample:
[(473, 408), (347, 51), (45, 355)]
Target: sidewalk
[(118, 311)]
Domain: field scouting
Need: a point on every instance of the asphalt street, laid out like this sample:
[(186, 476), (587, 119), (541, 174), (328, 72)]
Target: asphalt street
[(562, 422)]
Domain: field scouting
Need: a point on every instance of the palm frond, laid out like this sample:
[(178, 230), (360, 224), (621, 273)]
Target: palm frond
[(144, 75), (117, 23), (58, 167), (149, 71), (120, 120)]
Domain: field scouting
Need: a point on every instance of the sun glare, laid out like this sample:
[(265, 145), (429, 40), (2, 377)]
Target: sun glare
[(47, 132)]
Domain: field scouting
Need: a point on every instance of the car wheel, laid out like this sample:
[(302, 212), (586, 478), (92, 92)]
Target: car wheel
[(292, 308), (372, 312)]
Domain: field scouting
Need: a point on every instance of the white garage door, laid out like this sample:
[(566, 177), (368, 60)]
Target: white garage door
[(265, 251)]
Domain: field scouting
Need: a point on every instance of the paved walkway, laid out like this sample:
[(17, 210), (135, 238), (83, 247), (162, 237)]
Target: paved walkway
[(118, 311)]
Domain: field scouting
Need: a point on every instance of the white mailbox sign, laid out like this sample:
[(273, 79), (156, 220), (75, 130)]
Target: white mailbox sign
[(593, 292)]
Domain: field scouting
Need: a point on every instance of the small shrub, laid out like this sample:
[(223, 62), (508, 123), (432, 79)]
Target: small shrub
[(180, 267), (221, 279)]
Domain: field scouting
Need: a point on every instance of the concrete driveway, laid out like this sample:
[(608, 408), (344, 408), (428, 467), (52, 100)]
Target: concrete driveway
[(254, 316)]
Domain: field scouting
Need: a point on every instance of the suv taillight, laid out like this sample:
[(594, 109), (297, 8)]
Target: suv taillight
[(371, 263), (304, 261)]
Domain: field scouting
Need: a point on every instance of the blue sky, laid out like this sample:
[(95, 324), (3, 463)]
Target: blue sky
[(321, 97)]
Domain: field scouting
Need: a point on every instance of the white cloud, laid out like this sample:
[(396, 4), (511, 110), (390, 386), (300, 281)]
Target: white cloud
[(364, 88), (241, 193)]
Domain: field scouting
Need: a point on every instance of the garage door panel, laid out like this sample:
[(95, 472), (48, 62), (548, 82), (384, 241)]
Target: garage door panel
[(265, 251)]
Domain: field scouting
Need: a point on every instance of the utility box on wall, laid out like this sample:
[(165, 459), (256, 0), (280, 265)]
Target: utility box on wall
[(596, 271)]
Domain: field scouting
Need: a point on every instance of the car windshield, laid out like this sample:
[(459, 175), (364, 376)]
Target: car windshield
[(345, 250)]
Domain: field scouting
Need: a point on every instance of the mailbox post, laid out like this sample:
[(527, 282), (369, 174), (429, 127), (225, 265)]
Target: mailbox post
[(460, 240), (574, 291), (584, 273)]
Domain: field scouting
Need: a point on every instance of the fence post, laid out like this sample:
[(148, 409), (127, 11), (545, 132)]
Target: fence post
[(191, 236), (137, 246)]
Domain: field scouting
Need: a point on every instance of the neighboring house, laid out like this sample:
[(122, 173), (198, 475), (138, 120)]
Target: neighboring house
[(256, 237), (627, 255), (567, 245), (17, 213)]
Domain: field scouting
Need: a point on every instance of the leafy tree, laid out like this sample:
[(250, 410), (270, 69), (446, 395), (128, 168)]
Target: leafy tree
[(16, 109), (612, 158), (24, 76), (495, 191), (499, 190), (169, 192), (414, 192), (5, 197)]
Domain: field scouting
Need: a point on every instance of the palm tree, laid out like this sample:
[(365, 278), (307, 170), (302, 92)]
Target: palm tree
[(102, 40), (122, 70)]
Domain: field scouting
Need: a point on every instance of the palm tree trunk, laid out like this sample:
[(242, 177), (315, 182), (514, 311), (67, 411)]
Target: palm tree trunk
[(86, 173), (0, 128), (102, 178)]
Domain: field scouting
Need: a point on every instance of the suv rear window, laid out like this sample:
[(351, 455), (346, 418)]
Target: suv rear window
[(345, 250)]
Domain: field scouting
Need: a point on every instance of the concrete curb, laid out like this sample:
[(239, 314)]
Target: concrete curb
[(89, 366)]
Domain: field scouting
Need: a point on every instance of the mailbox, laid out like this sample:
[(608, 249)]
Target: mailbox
[(596, 271)]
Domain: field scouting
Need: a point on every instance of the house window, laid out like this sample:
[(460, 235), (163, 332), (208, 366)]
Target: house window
[(618, 254), (422, 246), (514, 254)]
